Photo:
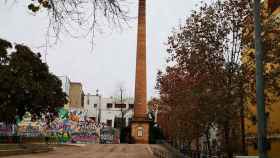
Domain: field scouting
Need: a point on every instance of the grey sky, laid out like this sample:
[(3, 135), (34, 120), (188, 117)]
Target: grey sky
[(113, 61)]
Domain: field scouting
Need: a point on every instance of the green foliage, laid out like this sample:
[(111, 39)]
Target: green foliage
[(26, 84)]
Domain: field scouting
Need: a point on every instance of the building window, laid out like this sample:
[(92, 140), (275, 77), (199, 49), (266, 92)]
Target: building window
[(109, 105), (109, 123), (140, 131), (131, 106), (88, 101), (93, 118), (120, 105), (95, 105)]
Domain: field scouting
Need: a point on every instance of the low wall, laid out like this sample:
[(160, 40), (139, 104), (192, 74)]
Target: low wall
[(246, 157), (19, 149)]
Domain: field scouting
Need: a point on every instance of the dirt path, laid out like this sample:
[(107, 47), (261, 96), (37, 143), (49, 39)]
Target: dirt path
[(96, 151)]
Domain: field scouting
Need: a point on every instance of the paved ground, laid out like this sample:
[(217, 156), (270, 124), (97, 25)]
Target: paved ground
[(95, 151)]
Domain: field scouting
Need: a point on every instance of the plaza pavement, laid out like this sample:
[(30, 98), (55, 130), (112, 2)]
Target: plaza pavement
[(95, 151)]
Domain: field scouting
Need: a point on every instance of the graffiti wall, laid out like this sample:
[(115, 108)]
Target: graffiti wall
[(70, 127), (73, 131), (73, 128), (109, 136), (6, 130), (81, 137), (29, 131)]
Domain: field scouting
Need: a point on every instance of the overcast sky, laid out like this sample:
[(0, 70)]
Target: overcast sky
[(112, 63)]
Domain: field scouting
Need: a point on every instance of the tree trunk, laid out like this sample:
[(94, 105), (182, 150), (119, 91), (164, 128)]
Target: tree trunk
[(208, 143), (227, 142), (243, 130), (197, 147)]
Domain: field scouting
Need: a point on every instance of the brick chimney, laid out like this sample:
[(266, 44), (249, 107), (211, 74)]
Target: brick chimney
[(140, 103), (140, 124)]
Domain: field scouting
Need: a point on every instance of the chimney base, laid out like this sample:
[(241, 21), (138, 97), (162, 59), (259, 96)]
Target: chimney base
[(140, 130)]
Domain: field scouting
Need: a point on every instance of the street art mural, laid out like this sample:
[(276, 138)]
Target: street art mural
[(58, 137), (6, 130), (72, 131), (84, 137), (29, 131), (72, 126), (109, 136), (28, 128)]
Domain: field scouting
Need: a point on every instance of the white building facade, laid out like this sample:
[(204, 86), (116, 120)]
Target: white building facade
[(109, 111)]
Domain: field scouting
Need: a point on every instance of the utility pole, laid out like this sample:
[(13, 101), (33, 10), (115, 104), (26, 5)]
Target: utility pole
[(262, 142), (121, 90), (99, 107)]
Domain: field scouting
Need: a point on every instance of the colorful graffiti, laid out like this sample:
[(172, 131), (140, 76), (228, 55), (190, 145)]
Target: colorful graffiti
[(82, 137), (69, 127), (58, 137), (6, 130), (72, 131), (29, 131), (109, 136)]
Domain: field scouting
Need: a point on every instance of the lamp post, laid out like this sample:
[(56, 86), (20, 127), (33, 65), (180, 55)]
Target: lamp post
[(262, 142)]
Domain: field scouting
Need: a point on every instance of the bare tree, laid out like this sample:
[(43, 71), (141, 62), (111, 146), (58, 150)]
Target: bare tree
[(80, 18), (121, 98)]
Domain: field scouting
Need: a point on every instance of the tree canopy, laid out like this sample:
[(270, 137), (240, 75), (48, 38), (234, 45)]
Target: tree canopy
[(211, 72), (26, 84)]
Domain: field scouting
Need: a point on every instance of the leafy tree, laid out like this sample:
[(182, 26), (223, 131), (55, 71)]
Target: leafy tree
[(26, 84), (210, 79), (206, 80), (6, 83), (153, 104)]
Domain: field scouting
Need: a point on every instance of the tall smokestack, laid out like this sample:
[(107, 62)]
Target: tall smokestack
[(140, 124), (140, 103)]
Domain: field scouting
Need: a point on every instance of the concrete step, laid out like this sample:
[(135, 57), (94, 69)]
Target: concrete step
[(16, 149)]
